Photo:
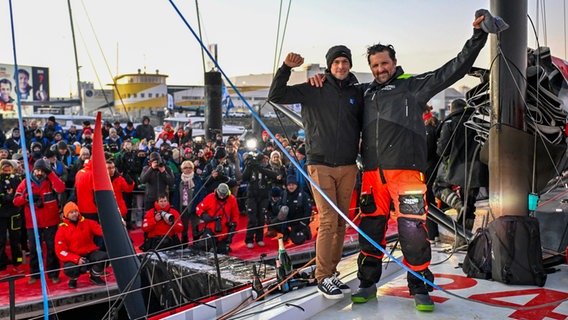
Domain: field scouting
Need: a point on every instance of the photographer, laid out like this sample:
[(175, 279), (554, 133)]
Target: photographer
[(220, 213), (260, 178), (162, 224), (10, 217), (45, 187), (158, 179), (218, 171), (291, 215), (75, 247)]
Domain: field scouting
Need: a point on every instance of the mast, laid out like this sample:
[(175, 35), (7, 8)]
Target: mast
[(123, 259), (510, 146), (79, 88)]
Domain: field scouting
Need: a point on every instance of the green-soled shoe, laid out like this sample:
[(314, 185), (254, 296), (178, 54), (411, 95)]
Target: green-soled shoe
[(423, 302), (362, 295)]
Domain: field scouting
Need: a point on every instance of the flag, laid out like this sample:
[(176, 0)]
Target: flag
[(226, 103)]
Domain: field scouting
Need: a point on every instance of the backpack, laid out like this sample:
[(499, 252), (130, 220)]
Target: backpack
[(517, 253), (477, 262)]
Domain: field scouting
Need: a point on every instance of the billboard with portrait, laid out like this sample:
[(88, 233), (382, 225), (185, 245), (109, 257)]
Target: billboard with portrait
[(33, 85)]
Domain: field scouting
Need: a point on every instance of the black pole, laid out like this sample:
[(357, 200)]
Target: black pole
[(510, 147), (256, 127), (123, 259), (213, 109), (12, 293), (217, 268)]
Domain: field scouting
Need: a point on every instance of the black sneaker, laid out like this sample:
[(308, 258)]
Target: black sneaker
[(97, 280), (72, 284), (342, 286), (329, 290)]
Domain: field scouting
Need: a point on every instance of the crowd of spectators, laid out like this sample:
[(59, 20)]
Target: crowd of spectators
[(143, 167)]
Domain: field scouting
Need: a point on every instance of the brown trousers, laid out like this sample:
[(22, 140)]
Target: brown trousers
[(337, 183)]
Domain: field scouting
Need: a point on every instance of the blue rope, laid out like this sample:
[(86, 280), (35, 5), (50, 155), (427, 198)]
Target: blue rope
[(27, 170), (333, 205)]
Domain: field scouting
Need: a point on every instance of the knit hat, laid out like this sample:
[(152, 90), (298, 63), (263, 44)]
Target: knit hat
[(87, 131), (337, 51), (292, 179), (302, 150), (222, 190), (276, 192), (274, 153), (6, 162), (154, 156), (17, 156), (69, 206), (220, 153)]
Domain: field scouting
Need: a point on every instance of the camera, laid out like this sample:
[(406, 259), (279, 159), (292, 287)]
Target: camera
[(38, 201), (218, 225), (220, 169), (232, 227), (251, 159), (167, 216)]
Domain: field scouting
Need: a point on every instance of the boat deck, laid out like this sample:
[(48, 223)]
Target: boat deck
[(468, 298)]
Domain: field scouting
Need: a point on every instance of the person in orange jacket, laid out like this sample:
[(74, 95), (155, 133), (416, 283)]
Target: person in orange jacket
[(75, 247), (162, 226), (220, 212)]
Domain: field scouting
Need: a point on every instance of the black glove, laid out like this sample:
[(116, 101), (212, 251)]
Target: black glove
[(207, 218), (491, 24), (128, 179), (43, 165)]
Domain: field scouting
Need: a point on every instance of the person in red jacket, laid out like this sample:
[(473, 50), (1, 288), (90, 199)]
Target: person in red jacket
[(85, 192), (162, 225), (75, 247), (120, 184), (220, 212), (45, 187)]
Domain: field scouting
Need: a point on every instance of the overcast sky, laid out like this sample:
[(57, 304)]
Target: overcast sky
[(149, 34)]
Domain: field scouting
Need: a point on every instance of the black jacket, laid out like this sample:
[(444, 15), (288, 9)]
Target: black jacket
[(331, 116), (394, 136), (260, 180), (457, 147)]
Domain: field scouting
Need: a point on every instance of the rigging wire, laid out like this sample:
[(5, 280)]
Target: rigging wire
[(564, 20), (79, 91), (200, 34), (105, 60), (91, 61), (27, 169), (277, 37), (283, 34)]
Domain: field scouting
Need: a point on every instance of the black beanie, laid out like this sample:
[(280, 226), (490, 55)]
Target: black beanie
[(337, 51)]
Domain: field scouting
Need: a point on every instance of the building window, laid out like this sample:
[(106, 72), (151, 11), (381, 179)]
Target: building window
[(150, 95), (142, 95)]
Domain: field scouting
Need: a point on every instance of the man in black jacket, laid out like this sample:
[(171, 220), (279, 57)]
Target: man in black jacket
[(158, 179), (394, 161), (460, 155), (260, 178), (331, 116)]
